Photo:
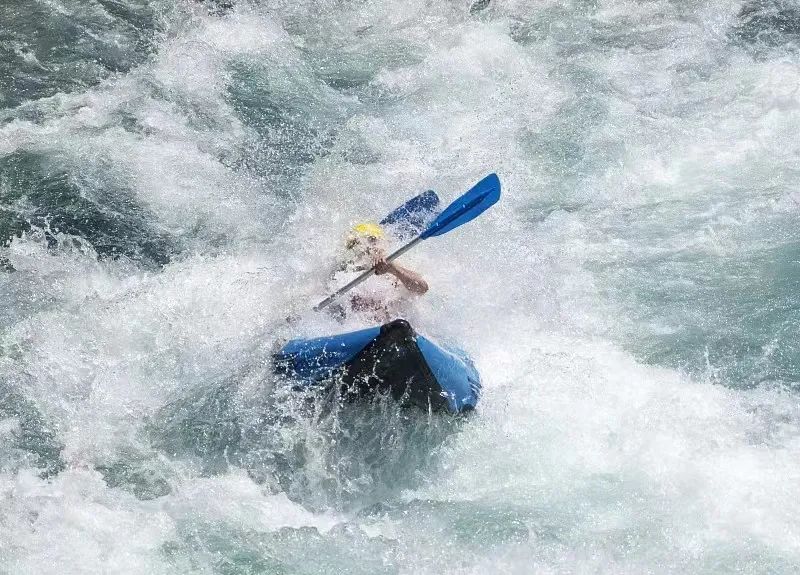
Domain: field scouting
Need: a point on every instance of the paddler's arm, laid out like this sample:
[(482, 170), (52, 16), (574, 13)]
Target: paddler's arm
[(412, 281)]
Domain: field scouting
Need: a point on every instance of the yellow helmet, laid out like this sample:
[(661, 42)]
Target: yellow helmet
[(364, 230), (368, 230)]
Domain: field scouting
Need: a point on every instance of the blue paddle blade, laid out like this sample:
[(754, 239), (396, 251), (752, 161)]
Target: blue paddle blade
[(413, 217), (482, 196)]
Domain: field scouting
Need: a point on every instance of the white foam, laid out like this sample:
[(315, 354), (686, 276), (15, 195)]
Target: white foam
[(609, 465)]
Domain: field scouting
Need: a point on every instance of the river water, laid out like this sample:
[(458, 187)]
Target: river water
[(176, 178)]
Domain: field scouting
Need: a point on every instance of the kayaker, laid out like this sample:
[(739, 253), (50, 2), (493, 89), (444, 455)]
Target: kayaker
[(380, 298)]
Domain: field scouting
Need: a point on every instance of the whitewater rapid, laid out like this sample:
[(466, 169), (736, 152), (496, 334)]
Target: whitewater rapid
[(176, 179)]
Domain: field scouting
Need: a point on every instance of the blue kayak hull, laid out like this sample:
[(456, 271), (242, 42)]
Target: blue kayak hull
[(389, 359)]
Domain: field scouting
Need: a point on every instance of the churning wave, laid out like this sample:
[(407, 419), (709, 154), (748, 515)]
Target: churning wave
[(175, 180)]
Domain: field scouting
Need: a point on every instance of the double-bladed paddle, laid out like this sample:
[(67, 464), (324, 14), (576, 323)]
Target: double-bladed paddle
[(477, 200), (410, 219)]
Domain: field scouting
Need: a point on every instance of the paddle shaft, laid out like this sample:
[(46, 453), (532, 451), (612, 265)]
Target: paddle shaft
[(365, 275)]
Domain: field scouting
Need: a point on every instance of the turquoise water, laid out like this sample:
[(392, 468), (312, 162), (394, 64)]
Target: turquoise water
[(175, 180)]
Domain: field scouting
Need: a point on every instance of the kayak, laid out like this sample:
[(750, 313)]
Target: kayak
[(391, 359)]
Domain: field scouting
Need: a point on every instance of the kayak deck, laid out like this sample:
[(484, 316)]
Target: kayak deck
[(387, 360)]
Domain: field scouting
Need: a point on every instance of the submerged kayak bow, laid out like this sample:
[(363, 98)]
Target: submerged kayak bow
[(469, 206)]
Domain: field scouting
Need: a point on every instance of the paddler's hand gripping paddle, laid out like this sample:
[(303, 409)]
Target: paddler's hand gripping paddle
[(482, 196)]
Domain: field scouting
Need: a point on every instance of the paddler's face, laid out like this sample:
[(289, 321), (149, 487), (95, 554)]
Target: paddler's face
[(366, 247)]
